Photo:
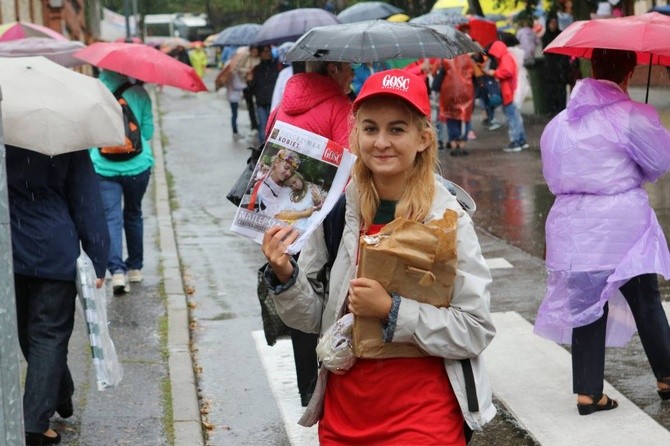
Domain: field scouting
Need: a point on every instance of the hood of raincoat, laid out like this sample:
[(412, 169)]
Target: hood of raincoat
[(593, 94), (498, 48), (306, 90), (316, 103)]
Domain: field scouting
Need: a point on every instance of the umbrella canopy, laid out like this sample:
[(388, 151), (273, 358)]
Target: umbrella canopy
[(59, 51), (439, 18), (52, 110), (21, 30), (367, 11), (142, 62), (290, 25), (238, 35), (482, 31), (378, 40), (647, 34)]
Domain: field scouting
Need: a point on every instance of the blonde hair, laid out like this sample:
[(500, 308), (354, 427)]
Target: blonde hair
[(298, 195), (419, 192)]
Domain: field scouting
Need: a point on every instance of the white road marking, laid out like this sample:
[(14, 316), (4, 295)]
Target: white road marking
[(533, 379), (280, 370)]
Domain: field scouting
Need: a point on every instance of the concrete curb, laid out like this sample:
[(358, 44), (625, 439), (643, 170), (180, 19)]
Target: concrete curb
[(187, 423)]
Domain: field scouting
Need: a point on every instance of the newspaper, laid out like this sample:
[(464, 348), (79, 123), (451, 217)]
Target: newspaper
[(297, 181)]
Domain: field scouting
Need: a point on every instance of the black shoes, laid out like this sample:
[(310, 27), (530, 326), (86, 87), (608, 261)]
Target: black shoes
[(587, 409), (65, 409), (37, 439)]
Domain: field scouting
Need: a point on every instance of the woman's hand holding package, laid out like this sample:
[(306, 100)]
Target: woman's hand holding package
[(367, 298), (275, 242)]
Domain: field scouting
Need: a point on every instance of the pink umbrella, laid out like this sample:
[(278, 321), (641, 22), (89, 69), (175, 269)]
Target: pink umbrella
[(21, 30), (142, 62), (646, 34)]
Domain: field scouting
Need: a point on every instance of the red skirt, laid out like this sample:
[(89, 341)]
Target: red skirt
[(398, 401)]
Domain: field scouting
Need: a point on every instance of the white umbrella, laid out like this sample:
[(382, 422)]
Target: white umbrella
[(52, 110), (59, 51)]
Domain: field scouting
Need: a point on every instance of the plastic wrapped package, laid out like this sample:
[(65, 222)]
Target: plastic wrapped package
[(334, 349), (108, 369)]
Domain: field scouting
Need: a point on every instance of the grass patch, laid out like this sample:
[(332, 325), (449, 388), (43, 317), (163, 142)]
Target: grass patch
[(169, 178)]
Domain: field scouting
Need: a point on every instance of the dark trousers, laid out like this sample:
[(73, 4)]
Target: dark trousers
[(306, 363), (556, 97), (45, 316), (251, 108), (233, 117), (588, 342)]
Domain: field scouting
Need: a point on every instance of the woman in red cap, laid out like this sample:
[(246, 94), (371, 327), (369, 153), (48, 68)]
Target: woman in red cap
[(418, 400)]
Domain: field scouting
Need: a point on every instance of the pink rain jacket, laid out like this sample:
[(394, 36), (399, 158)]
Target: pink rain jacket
[(601, 230), (316, 103)]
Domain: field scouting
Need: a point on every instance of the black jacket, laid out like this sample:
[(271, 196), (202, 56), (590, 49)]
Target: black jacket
[(54, 204), (264, 80)]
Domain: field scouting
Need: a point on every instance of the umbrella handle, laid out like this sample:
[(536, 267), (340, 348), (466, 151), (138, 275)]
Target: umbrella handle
[(646, 98)]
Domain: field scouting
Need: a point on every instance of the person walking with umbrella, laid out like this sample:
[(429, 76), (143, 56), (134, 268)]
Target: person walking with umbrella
[(55, 207), (605, 246), (123, 184)]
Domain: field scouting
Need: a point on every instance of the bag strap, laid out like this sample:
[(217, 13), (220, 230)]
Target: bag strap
[(122, 89), (333, 226)]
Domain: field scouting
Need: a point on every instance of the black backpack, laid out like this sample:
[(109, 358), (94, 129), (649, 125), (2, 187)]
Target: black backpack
[(133, 145)]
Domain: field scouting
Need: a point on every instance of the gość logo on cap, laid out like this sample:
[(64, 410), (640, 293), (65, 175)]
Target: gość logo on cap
[(396, 82)]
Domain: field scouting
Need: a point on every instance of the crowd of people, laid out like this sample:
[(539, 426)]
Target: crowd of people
[(604, 244)]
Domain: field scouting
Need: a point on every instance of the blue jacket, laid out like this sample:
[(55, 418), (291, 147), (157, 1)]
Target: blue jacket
[(54, 204), (140, 103)]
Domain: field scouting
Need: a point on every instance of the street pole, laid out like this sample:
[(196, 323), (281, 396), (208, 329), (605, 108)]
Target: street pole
[(136, 19), (126, 13), (11, 408)]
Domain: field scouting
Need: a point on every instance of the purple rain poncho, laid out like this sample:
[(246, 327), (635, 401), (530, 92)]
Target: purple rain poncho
[(601, 230)]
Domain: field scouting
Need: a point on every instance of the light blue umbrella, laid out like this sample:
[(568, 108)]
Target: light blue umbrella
[(238, 35)]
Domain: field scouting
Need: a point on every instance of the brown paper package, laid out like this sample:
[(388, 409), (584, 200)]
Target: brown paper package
[(416, 261)]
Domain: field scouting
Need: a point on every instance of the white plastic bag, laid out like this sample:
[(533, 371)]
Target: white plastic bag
[(334, 349), (108, 370)]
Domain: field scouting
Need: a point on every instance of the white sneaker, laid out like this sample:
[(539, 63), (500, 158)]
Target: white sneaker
[(120, 283), (134, 275), (495, 125)]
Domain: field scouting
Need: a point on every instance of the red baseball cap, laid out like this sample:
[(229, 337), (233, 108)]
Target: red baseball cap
[(402, 84)]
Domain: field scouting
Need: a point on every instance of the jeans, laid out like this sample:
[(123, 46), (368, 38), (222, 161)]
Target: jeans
[(514, 123), (588, 342), (45, 316), (263, 111), (126, 216), (233, 119)]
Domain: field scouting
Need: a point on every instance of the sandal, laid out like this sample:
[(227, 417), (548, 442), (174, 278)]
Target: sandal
[(664, 393), (587, 409)]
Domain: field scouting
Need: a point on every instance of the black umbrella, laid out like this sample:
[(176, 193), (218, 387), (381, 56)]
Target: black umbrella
[(367, 11), (289, 25), (238, 35), (378, 40)]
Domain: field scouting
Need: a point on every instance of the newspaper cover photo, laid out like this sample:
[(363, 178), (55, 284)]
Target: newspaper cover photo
[(297, 180)]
